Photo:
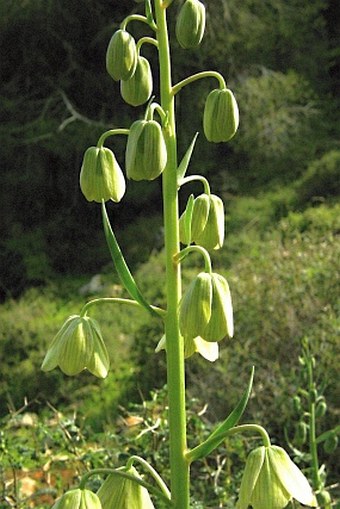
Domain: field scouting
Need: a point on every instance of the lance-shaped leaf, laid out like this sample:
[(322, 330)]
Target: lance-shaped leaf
[(183, 166), (219, 434), (121, 266)]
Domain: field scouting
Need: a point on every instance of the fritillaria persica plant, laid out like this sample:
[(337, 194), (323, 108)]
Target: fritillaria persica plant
[(195, 320)]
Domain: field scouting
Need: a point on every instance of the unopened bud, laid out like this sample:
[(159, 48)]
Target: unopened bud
[(321, 408), (190, 24), (121, 56), (146, 153), (138, 89), (221, 115), (331, 443), (101, 177)]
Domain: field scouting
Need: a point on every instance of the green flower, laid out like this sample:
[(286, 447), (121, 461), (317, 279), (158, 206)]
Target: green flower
[(118, 492), (271, 480), (101, 177), (78, 499), (206, 309), (207, 222), (77, 346)]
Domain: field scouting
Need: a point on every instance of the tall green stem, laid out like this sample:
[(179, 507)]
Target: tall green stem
[(174, 343)]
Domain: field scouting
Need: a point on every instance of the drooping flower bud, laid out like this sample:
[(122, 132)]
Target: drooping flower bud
[(121, 56), (206, 309), (101, 177), (78, 499), (118, 492), (221, 115), (195, 306), (77, 346), (271, 480), (138, 89), (146, 153), (190, 24), (207, 222)]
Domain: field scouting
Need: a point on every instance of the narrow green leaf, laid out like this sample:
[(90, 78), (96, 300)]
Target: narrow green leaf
[(149, 14), (120, 264), (183, 166), (221, 431), (236, 414)]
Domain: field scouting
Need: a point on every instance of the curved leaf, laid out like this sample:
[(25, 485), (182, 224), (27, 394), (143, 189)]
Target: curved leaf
[(183, 166), (120, 264), (220, 433)]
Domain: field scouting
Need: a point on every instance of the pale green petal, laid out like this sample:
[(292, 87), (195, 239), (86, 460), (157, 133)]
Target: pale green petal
[(189, 347), (70, 500), (221, 319), (195, 306), (90, 500), (119, 493), (74, 351), (251, 473), (208, 349), (98, 363), (269, 492), (291, 477), (52, 356)]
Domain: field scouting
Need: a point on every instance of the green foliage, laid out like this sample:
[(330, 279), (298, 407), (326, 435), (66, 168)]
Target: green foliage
[(61, 446), (278, 131), (321, 179)]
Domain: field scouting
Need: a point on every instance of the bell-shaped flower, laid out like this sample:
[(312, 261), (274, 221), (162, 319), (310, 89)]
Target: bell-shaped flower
[(206, 308), (77, 346), (118, 492), (78, 499), (271, 480), (207, 222), (101, 177)]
